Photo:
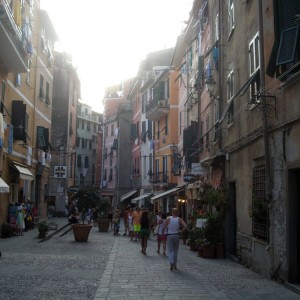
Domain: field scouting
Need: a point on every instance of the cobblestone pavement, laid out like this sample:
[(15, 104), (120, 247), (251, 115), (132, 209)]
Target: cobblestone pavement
[(109, 267)]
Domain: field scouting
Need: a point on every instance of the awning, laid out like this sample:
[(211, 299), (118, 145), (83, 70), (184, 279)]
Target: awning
[(127, 195), (134, 200), (169, 192), (23, 170), (4, 188)]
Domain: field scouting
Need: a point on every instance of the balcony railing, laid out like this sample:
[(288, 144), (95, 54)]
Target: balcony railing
[(156, 109), (159, 177), (12, 52), (85, 116)]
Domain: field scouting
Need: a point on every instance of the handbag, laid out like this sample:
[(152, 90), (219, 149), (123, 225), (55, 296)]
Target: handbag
[(115, 221), (155, 231)]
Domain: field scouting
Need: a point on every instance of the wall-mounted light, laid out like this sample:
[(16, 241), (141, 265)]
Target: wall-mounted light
[(181, 200), (210, 86)]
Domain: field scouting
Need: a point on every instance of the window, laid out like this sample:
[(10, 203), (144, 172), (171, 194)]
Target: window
[(112, 129), (86, 162), (216, 117), (201, 136), (41, 91), (88, 126), (3, 86), (207, 132), (167, 89), (150, 172), (165, 168), (138, 128), (230, 95), (47, 98), (254, 65), (149, 130), (144, 166), (144, 131), (166, 125), (19, 120), (259, 211), (42, 137), (79, 164), (230, 16)]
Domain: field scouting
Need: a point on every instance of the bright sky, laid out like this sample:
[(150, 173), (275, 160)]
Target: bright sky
[(108, 38)]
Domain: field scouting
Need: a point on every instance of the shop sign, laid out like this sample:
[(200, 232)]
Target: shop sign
[(197, 169)]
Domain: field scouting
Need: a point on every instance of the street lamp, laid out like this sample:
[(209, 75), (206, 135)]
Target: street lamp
[(210, 86)]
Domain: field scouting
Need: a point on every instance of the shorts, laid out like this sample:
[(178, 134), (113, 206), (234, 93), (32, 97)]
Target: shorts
[(161, 237), (145, 232), (137, 227), (130, 227)]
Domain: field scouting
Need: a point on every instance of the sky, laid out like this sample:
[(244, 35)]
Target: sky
[(109, 38)]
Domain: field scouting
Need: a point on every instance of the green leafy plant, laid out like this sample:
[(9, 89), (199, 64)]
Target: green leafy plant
[(86, 198)]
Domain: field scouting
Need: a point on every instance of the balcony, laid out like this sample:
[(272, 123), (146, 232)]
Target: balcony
[(156, 109), (12, 52), (159, 177)]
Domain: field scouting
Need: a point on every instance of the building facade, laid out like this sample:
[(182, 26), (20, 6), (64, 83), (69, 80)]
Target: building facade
[(66, 93), (27, 39)]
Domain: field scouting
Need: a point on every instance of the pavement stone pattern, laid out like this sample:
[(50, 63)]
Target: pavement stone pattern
[(113, 267)]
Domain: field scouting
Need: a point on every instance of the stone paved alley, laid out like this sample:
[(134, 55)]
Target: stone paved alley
[(109, 267)]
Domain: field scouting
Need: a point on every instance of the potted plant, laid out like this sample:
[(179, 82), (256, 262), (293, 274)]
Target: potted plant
[(43, 229), (103, 219), (84, 199)]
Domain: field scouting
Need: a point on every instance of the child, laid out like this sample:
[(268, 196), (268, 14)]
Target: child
[(161, 238)]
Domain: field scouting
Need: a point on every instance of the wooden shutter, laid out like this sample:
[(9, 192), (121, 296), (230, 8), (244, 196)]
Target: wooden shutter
[(18, 120)]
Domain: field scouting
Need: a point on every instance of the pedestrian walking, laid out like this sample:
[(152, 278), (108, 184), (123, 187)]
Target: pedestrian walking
[(174, 226), (136, 220), (126, 213), (145, 230), (20, 219), (161, 238), (130, 225), (116, 221)]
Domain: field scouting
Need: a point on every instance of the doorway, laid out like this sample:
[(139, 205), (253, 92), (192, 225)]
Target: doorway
[(231, 219), (293, 225)]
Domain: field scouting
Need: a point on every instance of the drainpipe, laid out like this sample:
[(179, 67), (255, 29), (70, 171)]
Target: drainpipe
[(268, 190)]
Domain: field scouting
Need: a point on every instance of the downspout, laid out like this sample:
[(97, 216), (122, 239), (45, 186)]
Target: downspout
[(268, 190), (220, 67)]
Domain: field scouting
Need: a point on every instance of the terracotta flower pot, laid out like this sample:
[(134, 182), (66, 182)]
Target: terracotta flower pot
[(209, 251), (81, 232), (103, 225)]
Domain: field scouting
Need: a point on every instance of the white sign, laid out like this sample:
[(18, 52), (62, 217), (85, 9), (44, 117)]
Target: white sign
[(60, 171), (200, 223), (197, 169)]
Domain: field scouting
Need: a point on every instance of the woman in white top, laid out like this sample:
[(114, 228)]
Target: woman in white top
[(175, 226)]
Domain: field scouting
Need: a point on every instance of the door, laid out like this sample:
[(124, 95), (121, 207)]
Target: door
[(293, 225), (231, 219)]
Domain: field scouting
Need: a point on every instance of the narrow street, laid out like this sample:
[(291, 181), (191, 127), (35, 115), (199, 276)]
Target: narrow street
[(109, 267)]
